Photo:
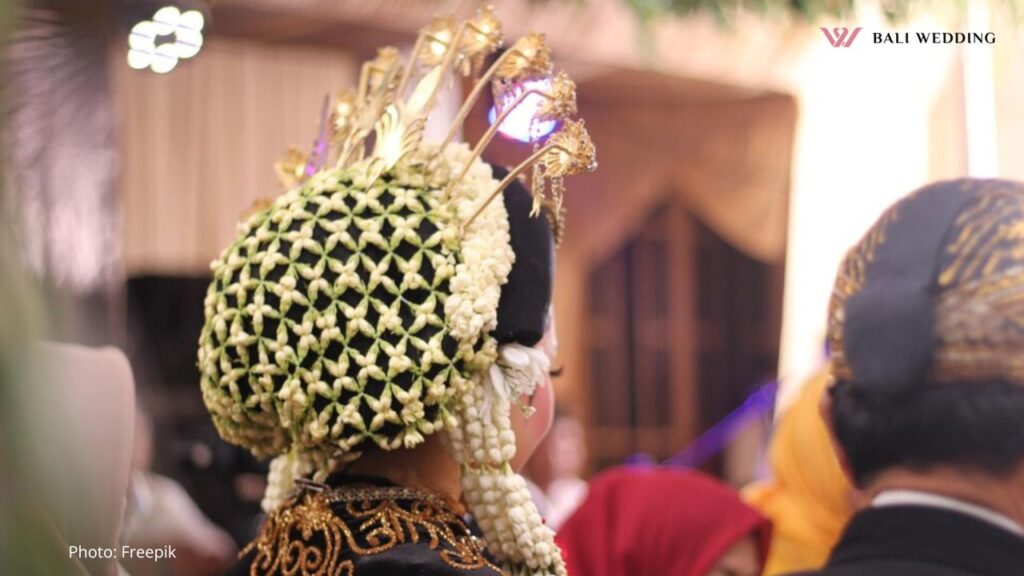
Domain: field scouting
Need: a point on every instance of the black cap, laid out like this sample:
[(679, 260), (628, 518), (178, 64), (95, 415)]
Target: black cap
[(904, 307)]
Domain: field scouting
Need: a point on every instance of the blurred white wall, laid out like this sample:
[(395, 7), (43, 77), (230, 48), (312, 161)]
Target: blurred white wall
[(862, 142)]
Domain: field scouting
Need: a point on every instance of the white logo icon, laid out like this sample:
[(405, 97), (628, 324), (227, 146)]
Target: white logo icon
[(171, 35)]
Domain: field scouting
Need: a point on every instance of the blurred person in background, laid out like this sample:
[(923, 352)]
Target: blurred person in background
[(556, 468), (160, 512), (68, 430), (807, 498), (663, 522), (30, 543), (926, 342)]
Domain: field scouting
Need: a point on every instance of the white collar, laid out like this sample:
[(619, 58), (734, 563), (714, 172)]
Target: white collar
[(932, 500)]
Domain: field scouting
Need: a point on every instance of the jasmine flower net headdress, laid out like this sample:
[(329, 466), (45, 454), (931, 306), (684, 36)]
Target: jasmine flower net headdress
[(360, 309)]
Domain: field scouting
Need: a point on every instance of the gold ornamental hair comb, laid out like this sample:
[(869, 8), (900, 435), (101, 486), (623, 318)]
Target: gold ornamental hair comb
[(395, 96)]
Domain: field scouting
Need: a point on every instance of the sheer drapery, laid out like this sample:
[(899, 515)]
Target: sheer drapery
[(728, 163), (198, 144)]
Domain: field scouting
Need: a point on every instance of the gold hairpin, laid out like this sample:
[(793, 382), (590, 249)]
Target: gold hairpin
[(555, 213), (528, 58), (394, 96), (566, 153), (374, 93), (484, 37), (343, 116), (291, 170), (559, 103)]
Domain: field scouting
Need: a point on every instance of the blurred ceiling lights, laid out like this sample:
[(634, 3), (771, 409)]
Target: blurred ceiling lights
[(521, 124), (171, 35)]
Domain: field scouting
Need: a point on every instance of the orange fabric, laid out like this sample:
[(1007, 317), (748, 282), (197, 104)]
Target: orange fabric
[(808, 497)]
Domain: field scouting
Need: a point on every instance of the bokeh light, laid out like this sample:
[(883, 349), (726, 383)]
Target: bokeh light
[(521, 123)]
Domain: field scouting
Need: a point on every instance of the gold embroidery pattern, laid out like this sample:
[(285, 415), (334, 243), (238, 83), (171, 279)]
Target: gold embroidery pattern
[(320, 533), (980, 309), (980, 304), (987, 237)]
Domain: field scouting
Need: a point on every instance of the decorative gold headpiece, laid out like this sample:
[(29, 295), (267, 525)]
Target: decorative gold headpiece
[(385, 106), (358, 309)]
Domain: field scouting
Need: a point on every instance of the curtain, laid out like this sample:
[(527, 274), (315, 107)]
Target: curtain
[(60, 155), (198, 144), (727, 162)]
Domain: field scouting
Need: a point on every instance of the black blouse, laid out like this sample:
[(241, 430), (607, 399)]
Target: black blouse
[(358, 526), (923, 541)]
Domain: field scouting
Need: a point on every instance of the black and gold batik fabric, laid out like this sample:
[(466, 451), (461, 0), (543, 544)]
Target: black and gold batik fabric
[(365, 530), (934, 292)]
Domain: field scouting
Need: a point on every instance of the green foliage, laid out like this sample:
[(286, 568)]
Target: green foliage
[(725, 10), (808, 11)]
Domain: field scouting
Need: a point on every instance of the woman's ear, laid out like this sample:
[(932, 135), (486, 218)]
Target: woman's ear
[(549, 342)]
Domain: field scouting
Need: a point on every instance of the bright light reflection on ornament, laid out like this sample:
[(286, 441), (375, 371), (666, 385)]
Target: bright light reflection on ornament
[(520, 124)]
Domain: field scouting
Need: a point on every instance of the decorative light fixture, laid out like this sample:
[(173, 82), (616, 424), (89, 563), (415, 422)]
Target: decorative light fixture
[(171, 35), (521, 123)]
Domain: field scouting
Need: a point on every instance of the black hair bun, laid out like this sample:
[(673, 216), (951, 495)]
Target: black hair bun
[(523, 309)]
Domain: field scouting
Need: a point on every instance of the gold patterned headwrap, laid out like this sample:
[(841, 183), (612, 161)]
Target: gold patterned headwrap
[(934, 292)]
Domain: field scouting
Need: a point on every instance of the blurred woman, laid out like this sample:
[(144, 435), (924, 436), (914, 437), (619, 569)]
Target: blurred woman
[(808, 498), (663, 522), (556, 468)]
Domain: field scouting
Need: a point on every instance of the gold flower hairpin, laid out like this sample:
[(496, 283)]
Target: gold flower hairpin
[(343, 116), (558, 103), (566, 153), (291, 170), (528, 58), (394, 97)]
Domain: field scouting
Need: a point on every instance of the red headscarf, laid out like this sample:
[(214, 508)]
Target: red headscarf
[(657, 521)]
